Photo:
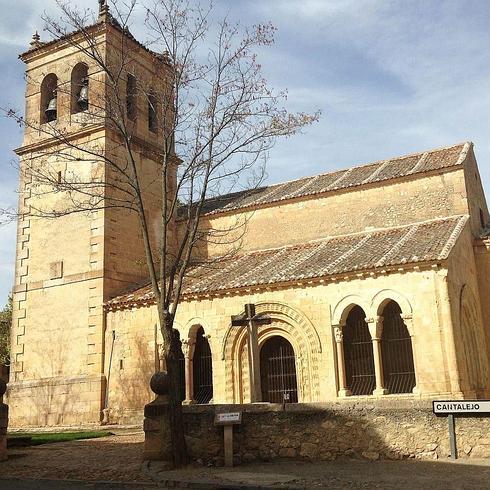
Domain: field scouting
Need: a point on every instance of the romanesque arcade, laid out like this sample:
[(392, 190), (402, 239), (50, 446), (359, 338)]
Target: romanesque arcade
[(371, 342)]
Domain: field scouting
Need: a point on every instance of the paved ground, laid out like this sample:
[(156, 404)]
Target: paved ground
[(115, 462), (407, 474)]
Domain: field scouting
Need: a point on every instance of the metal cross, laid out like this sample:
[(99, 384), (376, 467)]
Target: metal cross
[(251, 320)]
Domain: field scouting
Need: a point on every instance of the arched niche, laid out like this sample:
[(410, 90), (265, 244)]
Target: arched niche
[(79, 88), (48, 108)]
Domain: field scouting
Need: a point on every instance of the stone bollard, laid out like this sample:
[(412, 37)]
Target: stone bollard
[(156, 426), (4, 418)]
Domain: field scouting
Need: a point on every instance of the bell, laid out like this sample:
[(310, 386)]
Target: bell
[(82, 100), (51, 110)]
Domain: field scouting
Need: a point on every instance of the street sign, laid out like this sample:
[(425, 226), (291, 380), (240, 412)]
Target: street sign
[(230, 418), (461, 407)]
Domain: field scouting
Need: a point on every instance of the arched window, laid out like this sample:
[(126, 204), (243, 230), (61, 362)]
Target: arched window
[(358, 354), (278, 371), (131, 97), (152, 112), (202, 369), (396, 352), (49, 101), (79, 88)]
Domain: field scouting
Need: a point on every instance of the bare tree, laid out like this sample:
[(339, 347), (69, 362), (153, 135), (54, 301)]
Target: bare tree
[(214, 119)]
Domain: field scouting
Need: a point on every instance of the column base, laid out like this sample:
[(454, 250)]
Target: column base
[(416, 390), (380, 392), (189, 402), (344, 392)]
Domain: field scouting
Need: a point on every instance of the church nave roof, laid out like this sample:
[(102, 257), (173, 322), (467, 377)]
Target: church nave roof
[(427, 241)]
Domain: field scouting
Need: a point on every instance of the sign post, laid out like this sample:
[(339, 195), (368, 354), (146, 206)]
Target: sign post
[(228, 420), (460, 408)]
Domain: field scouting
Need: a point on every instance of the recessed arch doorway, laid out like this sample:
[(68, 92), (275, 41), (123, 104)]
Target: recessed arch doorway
[(278, 371)]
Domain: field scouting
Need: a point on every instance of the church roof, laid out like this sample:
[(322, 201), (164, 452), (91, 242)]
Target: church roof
[(416, 163), (383, 249)]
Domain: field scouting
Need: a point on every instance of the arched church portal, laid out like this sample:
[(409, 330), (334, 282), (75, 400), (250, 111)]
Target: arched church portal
[(278, 371)]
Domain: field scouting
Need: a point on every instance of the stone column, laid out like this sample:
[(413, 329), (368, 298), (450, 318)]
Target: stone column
[(407, 319), (157, 430), (4, 417), (446, 327), (376, 331), (339, 341), (188, 351)]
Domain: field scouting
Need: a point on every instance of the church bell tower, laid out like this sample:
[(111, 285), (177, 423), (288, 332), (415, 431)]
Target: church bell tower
[(71, 260)]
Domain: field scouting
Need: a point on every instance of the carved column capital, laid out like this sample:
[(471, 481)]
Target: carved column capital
[(375, 326), (188, 348), (408, 321), (338, 333)]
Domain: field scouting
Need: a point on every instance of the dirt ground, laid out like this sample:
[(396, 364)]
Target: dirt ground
[(117, 458)]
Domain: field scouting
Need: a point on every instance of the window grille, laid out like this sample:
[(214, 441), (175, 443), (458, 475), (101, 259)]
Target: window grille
[(278, 371), (203, 369), (358, 354), (396, 351)]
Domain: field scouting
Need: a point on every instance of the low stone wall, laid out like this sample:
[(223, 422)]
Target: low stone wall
[(389, 429)]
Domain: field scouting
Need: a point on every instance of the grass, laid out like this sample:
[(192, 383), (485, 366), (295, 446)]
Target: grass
[(51, 437)]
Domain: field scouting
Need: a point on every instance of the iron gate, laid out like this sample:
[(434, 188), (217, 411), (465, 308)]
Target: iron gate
[(278, 371), (203, 369), (358, 354), (396, 350)]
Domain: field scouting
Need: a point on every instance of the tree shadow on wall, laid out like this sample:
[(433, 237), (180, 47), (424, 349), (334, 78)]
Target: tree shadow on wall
[(330, 432), (46, 400), (129, 381)]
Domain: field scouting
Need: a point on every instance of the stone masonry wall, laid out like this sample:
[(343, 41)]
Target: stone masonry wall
[(390, 430)]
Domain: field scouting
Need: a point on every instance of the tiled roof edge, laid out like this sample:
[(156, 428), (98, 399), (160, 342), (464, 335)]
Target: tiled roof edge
[(462, 220), (467, 145)]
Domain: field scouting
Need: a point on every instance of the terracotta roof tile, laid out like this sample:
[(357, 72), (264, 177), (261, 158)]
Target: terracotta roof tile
[(436, 159), (419, 242)]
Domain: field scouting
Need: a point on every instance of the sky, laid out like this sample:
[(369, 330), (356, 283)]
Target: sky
[(391, 77)]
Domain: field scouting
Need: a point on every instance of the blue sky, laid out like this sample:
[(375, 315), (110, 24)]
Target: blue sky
[(390, 76)]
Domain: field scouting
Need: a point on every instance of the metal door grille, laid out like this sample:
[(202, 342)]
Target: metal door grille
[(203, 369), (396, 351), (278, 371), (358, 353)]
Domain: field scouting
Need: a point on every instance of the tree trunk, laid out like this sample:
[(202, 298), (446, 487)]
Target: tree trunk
[(176, 420)]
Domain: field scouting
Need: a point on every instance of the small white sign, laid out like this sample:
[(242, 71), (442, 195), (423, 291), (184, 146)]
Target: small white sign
[(230, 418), (447, 407)]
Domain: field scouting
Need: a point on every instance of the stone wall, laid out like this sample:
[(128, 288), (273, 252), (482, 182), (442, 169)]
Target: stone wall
[(388, 430)]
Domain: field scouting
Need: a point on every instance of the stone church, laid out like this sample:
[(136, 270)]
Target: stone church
[(375, 280)]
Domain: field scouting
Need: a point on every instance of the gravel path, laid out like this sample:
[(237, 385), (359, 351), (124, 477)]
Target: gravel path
[(116, 458)]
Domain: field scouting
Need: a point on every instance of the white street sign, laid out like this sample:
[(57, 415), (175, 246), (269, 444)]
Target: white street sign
[(447, 407), (230, 418)]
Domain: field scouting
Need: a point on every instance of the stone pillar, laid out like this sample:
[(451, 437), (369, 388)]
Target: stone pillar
[(188, 351), (447, 328), (4, 418), (407, 319), (157, 431), (339, 340), (376, 331)]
